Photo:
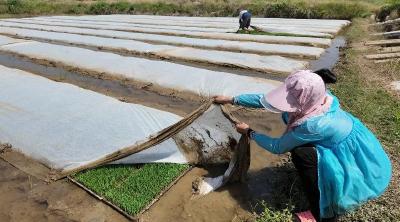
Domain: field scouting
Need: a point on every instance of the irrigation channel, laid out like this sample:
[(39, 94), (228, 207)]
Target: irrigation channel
[(76, 90)]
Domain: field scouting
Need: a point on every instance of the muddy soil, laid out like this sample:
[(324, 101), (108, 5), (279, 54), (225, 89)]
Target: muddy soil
[(230, 203), (234, 202), (25, 198)]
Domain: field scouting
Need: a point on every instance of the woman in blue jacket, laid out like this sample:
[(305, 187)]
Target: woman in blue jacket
[(340, 162)]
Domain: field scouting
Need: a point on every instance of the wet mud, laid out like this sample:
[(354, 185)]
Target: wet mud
[(25, 199), (233, 202)]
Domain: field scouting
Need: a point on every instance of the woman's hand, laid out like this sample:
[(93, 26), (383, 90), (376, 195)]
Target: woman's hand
[(223, 99), (242, 128)]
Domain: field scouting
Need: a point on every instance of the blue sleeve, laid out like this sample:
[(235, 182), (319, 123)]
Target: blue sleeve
[(248, 100), (299, 136)]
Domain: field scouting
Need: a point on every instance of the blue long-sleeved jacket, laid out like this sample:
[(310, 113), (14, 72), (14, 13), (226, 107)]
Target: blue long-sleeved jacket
[(352, 165)]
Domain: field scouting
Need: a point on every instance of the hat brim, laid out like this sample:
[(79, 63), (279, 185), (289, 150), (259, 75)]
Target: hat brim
[(281, 99), (268, 106)]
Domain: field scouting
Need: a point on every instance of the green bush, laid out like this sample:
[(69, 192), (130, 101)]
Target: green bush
[(337, 10), (387, 9), (121, 7), (77, 9), (99, 7), (14, 6), (276, 8)]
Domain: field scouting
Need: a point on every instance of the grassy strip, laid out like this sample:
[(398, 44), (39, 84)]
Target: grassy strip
[(339, 9), (362, 93), (361, 90), (130, 187)]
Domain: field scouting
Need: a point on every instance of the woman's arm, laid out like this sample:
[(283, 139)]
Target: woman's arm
[(299, 136), (248, 100)]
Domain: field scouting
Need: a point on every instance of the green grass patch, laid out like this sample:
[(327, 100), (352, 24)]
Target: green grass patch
[(130, 187), (339, 9), (269, 214)]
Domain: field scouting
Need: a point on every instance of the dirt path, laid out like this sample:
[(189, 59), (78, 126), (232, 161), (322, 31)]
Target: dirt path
[(24, 198)]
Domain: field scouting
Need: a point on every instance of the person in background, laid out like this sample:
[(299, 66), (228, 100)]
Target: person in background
[(340, 161), (244, 20)]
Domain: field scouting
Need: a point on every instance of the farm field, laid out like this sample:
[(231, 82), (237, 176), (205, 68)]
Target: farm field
[(110, 48), (132, 90)]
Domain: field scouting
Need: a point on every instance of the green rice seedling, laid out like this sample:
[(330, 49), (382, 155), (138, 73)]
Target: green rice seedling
[(130, 187)]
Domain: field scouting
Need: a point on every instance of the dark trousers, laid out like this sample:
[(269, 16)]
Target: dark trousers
[(305, 159), (244, 22)]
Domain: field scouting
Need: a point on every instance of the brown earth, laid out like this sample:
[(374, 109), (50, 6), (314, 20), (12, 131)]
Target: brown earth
[(25, 198), (234, 202)]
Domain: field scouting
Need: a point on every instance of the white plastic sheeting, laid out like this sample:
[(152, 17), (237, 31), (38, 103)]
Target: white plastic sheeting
[(270, 64), (217, 26), (312, 22), (155, 20), (249, 47), (31, 23), (293, 31), (66, 127), (230, 28), (4, 40), (287, 29), (324, 32), (165, 74), (128, 25), (330, 22)]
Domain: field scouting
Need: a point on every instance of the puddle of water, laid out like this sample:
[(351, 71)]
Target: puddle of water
[(126, 93), (331, 56)]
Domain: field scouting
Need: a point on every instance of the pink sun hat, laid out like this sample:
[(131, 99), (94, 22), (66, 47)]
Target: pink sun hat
[(299, 90)]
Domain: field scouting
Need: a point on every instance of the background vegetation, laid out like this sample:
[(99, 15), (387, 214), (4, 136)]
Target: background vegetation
[(334, 9)]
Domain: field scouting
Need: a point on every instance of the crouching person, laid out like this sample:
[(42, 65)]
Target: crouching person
[(340, 161), (244, 20)]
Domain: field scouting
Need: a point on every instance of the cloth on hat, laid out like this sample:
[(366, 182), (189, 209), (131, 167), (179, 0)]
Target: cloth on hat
[(303, 95)]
